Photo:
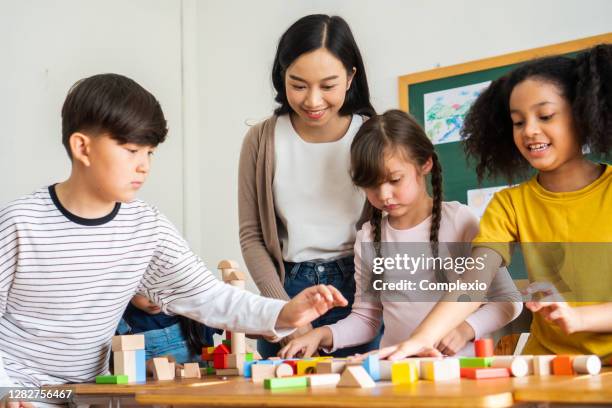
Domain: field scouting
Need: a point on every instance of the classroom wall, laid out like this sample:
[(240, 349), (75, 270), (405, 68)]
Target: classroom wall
[(46, 45), (237, 40)]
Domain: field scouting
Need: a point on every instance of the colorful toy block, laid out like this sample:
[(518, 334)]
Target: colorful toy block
[(562, 365), (293, 364), (322, 380), (227, 371), (284, 370), (356, 377), (128, 343), (220, 358), (587, 364), (385, 369), (484, 347), (372, 365), (246, 368), (287, 382), (441, 370), (307, 367), (542, 365), (191, 370), (260, 372), (519, 366), (124, 363), (404, 372), (477, 362), (228, 264), (112, 379), (477, 373), (141, 366), (330, 367), (163, 370)]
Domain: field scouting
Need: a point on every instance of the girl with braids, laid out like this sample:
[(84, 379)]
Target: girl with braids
[(391, 157), (540, 117)]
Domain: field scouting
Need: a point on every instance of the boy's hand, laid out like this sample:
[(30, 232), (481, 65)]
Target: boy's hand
[(307, 344), (309, 304), (456, 339), (553, 307)]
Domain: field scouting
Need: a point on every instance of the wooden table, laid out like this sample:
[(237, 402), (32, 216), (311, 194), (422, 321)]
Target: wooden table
[(239, 392)]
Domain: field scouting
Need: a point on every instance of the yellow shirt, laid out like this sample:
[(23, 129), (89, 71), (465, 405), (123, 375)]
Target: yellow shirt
[(566, 239)]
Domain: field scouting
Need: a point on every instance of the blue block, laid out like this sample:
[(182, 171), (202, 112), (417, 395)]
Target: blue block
[(141, 366), (247, 368), (274, 362), (372, 366)]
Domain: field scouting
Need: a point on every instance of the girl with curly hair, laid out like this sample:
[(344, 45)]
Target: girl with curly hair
[(542, 117)]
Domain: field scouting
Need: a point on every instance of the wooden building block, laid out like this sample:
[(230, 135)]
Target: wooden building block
[(293, 364), (385, 369), (236, 361), (260, 372), (479, 362), (330, 367), (162, 369), (322, 380), (227, 371), (284, 370), (235, 275), (238, 284), (562, 365), (356, 377), (440, 370), (477, 373), (192, 370), (519, 366), (404, 372), (246, 368), (371, 363), (124, 363), (287, 382), (587, 364), (239, 343), (141, 366), (307, 367), (483, 347), (228, 264), (112, 379), (128, 343), (542, 365)]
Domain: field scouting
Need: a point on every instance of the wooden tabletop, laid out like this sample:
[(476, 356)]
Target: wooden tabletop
[(240, 392), (582, 389)]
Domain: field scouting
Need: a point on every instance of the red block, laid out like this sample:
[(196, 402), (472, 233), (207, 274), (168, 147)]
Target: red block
[(477, 373), (562, 365), (484, 347), (228, 335), (220, 361)]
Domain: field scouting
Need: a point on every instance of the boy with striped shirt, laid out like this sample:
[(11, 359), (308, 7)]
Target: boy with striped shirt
[(73, 254)]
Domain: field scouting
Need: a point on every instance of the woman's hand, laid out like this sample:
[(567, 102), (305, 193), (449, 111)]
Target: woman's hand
[(307, 345)]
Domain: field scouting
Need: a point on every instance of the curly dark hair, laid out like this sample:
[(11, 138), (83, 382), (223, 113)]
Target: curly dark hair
[(586, 82)]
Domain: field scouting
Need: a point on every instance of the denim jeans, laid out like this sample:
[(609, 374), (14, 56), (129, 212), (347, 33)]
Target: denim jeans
[(170, 340), (340, 274)]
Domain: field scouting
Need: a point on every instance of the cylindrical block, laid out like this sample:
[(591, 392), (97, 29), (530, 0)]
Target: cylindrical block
[(484, 347), (284, 370), (587, 364), (238, 343), (518, 366)]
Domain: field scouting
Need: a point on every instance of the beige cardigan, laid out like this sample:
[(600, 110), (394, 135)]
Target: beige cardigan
[(259, 239)]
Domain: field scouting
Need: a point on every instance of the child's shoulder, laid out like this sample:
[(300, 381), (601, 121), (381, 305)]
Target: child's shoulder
[(453, 210), (33, 205)]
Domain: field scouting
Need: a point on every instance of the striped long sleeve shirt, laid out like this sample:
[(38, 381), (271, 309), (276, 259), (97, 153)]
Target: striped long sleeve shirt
[(65, 282)]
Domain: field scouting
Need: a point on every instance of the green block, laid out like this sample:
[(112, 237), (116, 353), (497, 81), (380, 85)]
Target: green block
[(475, 362), (248, 357), (210, 370), (112, 379), (285, 382), (228, 343)]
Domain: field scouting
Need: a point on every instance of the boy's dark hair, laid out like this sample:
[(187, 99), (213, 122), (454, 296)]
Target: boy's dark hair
[(397, 131), (332, 33), (586, 82), (113, 104)]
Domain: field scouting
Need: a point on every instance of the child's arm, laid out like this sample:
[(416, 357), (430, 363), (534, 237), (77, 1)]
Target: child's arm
[(8, 260), (450, 311)]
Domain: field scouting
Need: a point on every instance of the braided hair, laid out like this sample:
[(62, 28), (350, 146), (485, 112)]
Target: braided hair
[(393, 130)]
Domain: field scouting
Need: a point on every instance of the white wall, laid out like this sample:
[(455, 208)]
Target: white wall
[(47, 45), (237, 40)]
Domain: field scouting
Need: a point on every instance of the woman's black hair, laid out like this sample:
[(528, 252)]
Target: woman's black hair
[(398, 131), (585, 81), (316, 31)]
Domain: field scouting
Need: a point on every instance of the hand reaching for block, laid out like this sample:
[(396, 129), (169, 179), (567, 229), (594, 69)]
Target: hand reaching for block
[(308, 305)]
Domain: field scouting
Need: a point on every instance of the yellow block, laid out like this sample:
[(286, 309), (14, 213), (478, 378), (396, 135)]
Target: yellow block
[(307, 367), (404, 372)]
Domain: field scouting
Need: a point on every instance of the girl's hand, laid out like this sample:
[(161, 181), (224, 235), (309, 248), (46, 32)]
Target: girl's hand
[(553, 307), (456, 339), (307, 345), (301, 331), (410, 347), (309, 304)]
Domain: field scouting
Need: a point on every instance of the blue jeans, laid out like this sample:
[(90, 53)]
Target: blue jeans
[(170, 340), (340, 274)]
